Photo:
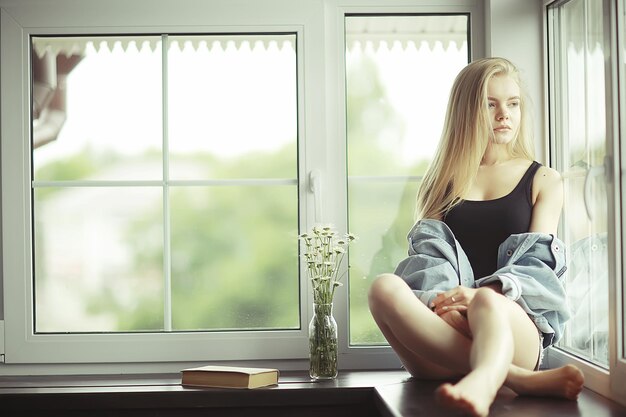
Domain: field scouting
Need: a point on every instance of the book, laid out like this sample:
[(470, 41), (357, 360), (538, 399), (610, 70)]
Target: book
[(229, 377)]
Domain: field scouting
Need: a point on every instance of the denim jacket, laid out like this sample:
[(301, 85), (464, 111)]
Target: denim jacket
[(530, 269)]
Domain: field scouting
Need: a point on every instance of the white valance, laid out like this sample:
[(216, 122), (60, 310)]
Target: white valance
[(76, 45), (376, 31), (361, 32)]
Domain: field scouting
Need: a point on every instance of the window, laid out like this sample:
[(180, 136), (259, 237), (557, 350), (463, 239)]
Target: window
[(586, 73), (156, 192), (153, 203), (579, 128), (398, 76), (157, 168)]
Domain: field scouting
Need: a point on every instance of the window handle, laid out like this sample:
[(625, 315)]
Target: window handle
[(315, 186), (592, 173)]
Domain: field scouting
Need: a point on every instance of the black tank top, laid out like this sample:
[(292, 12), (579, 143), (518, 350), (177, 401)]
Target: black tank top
[(481, 226)]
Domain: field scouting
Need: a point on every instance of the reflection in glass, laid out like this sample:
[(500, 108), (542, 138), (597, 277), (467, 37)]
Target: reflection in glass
[(578, 65), (96, 108)]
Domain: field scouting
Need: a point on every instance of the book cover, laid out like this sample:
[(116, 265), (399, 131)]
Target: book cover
[(229, 377)]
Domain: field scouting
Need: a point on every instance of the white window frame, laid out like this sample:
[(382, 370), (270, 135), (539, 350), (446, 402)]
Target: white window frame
[(608, 382), (364, 357), (617, 358), (21, 20), (319, 27)]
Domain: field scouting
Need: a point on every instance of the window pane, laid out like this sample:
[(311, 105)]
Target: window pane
[(152, 247), (387, 218), (96, 108), (399, 73), (234, 99), (234, 264), (99, 259), (578, 64)]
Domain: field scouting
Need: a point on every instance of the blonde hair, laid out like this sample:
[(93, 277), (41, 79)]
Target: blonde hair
[(466, 134)]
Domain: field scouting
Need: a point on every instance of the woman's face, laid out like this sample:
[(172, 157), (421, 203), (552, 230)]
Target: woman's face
[(503, 98)]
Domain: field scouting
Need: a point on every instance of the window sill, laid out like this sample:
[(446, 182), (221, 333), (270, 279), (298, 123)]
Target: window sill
[(368, 393)]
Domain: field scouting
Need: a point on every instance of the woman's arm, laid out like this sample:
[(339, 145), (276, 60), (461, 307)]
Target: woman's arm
[(548, 201), (436, 263)]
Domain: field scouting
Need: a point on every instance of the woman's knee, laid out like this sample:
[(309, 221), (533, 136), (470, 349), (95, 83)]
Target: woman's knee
[(485, 298)]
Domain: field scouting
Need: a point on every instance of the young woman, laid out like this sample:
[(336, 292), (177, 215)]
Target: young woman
[(480, 296)]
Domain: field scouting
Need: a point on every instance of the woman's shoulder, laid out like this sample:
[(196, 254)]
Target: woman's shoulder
[(547, 181), (547, 175)]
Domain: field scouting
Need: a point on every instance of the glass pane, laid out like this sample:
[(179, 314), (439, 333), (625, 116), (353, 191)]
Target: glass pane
[(96, 107), (234, 266), (399, 71), (582, 138), (99, 255), (387, 218), (231, 110), (231, 102)]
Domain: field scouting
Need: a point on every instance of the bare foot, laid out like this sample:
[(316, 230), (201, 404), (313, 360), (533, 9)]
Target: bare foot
[(466, 396), (565, 382)]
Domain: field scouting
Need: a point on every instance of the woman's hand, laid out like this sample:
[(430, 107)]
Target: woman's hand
[(456, 299), (458, 321)]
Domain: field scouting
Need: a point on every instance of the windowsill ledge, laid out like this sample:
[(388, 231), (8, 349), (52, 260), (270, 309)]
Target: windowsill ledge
[(368, 393)]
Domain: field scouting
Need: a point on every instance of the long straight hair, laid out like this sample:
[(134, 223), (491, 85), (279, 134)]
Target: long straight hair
[(466, 134)]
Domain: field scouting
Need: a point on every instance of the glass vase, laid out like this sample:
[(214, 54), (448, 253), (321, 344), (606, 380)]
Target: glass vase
[(323, 343)]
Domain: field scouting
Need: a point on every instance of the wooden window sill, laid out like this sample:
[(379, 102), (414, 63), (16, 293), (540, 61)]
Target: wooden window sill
[(368, 393)]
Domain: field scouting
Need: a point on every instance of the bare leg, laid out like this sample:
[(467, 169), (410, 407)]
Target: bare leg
[(419, 336), (417, 366), (564, 382), (491, 355), (430, 348)]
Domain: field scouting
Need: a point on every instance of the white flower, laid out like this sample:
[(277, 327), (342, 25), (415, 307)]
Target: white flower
[(323, 254)]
